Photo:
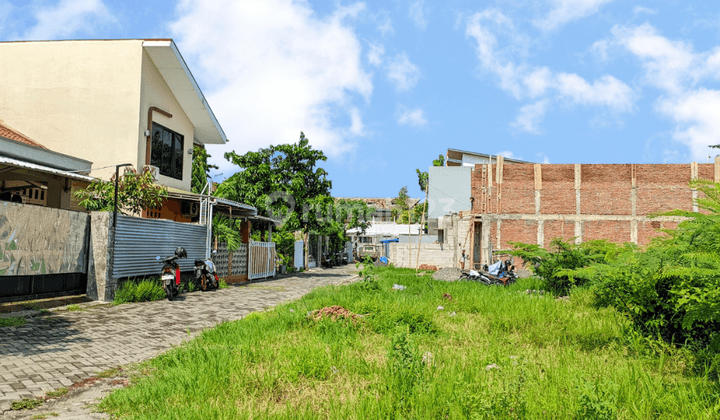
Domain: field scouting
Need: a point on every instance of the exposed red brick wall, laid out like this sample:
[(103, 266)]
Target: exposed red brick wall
[(605, 189), (518, 189), (650, 229), (558, 229), (663, 188), (558, 189), (706, 171), (613, 231), (515, 231)]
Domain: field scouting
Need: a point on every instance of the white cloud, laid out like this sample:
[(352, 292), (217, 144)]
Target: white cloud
[(641, 9), (68, 17), (375, 55), (543, 158), (417, 14), (385, 23), (403, 73), (600, 49), (540, 84), (675, 68), (276, 68), (508, 154), (565, 11), (412, 117), (530, 117), (696, 114)]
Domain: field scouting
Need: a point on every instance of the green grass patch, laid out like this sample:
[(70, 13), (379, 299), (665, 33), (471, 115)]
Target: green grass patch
[(139, 291), (109, 373), (57, 393), (222, 284), (12, 321), (491, 353), (27, 404), (74, 308)]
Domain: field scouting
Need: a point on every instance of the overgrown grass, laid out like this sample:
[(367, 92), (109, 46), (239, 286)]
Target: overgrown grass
[(12, 321), (142, 291), (503, 354)]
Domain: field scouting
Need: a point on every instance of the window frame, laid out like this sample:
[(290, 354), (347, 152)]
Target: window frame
[(175, 152)]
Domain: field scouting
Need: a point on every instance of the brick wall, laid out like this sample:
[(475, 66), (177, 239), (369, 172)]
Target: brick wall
[(534, 203)]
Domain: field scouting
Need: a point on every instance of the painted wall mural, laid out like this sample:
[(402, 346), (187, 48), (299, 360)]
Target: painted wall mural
[(37, 240)]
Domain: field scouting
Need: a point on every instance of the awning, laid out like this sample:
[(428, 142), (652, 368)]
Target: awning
[(40, 168)]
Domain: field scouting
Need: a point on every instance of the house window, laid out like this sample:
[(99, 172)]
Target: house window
[(167, 151)]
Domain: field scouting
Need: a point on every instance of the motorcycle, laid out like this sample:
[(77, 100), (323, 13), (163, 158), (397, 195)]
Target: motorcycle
[(170, 274), (205, 275), (501, 273)]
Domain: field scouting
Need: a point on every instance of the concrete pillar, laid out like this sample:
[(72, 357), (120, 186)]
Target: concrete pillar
[(694, 176), (245, 230), (101, 285)]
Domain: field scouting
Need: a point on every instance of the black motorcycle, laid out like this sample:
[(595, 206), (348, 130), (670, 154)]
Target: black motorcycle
[(170, 274), (205, 275)]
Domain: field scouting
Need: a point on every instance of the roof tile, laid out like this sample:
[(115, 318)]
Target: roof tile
[(11, 134)]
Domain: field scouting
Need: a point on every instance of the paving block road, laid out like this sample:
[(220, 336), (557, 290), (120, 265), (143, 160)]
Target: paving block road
[(58, 350)]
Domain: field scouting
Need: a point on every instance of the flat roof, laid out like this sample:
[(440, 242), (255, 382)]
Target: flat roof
[(25, 152), (41, 168), (485, 156)]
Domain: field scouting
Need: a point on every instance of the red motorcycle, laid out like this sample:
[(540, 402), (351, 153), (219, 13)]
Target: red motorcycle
[(170, 274)]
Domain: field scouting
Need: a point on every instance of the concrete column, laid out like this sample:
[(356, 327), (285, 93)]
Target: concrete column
[(245, 230), (538, 186), (717, 168), (541, 232), (497, 234), (694, 176), (101, 285), (633, 203)]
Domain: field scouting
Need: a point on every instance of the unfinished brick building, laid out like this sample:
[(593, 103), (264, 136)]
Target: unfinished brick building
[(534, 203)]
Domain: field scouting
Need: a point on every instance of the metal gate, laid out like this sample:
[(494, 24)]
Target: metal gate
[(261, 260)]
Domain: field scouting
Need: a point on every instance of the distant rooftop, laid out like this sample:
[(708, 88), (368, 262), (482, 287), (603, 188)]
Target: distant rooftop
[(456, 157), (12, 134)]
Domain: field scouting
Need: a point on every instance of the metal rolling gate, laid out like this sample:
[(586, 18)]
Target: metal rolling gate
[(138, 241), (261, 260)]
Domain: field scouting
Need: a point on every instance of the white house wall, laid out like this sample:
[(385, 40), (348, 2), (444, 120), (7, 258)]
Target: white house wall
[(155, 92), (80, 98)]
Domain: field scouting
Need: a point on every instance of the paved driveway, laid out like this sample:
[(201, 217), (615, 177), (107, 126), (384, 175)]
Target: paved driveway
[(51, 352)]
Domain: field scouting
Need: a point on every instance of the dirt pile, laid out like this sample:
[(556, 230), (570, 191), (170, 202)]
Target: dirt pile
[(334, 313)]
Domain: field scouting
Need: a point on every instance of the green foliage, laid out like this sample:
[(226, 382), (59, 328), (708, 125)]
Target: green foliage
[(405, 368), (369, 282), (136, 192), (222, 284), (57, 393), (13, 321), (143, 291), (200, 170), (555, 265), (598, 401), (226, 230), (27, 404)]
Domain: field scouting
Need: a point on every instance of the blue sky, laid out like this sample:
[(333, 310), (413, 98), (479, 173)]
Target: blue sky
[(383, 87)]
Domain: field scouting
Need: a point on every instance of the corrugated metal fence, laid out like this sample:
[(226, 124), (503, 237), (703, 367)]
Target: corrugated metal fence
[(138, 241)]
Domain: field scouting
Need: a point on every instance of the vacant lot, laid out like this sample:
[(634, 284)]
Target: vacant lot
[(435, 350)]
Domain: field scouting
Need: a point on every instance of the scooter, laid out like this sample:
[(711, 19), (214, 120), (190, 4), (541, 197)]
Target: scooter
[(205, 275), (170, 274)]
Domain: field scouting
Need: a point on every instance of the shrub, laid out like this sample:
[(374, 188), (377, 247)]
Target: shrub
[(143, 291), (405, 367), (552, 265)]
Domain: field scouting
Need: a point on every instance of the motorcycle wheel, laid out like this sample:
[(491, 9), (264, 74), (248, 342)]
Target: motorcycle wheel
[(169, 293), (203, 282)]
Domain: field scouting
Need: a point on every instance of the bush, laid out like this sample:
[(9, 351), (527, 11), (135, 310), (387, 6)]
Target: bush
[(143, 291), (553, 265)]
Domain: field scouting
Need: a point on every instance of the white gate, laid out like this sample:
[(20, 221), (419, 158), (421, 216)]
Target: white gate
[(261, 260)]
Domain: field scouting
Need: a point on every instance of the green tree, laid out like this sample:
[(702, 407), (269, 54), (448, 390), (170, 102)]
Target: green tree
[(200, 169), (281, 181), (136, 192)]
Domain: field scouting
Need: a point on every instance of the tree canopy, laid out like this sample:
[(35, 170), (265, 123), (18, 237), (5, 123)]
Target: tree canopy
[(136, 192)]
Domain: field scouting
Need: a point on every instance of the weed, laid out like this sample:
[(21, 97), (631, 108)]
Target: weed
[(74, 308), (143, 291), (405, 367), (109, 373), (13, 321), (26, 404), (598, 401), (57, 393), (222, 284)]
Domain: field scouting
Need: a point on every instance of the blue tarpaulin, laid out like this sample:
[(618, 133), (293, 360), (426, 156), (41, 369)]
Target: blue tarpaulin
[(386, 241)]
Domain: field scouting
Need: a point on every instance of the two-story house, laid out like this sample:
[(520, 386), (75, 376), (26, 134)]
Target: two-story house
[(111, 102)]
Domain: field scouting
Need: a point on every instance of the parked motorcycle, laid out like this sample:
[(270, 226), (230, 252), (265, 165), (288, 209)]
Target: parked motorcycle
[(170, 274), (205, 275), (501, 273)]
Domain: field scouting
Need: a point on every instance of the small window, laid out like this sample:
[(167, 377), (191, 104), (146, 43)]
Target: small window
[(167, 151)]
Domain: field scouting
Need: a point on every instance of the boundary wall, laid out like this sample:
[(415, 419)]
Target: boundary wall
[(534, 203)]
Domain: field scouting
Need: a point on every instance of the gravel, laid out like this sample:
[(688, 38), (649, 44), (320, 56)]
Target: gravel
[(447, 274)]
